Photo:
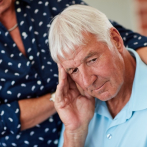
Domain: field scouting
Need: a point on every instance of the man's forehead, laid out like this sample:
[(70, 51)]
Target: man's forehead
[(69, 64), (87, 39)]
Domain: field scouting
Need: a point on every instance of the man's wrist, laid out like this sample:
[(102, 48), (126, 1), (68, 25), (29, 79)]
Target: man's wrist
[(75, 138)]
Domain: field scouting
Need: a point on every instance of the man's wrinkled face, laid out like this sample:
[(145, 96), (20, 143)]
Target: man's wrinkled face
[(95, 68)]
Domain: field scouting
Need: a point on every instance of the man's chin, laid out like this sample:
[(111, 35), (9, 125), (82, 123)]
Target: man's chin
[(104, 96)]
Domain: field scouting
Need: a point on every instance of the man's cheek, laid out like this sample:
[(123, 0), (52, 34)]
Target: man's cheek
[(80, 89)]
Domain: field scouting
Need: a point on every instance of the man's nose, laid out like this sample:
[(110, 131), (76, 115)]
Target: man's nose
[(88, 77)]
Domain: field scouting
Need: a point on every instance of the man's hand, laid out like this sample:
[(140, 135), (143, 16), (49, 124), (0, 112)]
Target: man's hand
[(74, 109)]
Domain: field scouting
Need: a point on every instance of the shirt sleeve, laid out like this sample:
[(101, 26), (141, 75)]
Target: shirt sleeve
[(131, 39), (9, 118), (61, 140)]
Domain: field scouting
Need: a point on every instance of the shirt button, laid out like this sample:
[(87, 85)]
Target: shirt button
[(109, 136), (39, 82), (31, 57)]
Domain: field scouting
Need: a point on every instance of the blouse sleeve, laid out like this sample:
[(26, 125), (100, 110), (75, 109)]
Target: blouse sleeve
[(62, 5), (131, 39), (9, 118)]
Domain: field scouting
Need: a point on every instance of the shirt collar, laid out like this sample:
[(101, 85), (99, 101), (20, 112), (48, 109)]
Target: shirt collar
[(138, 99)]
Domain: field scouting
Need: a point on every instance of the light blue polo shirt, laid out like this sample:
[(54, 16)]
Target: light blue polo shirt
[(129, 127)]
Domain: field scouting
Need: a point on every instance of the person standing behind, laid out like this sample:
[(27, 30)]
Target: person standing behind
[(28, 75)]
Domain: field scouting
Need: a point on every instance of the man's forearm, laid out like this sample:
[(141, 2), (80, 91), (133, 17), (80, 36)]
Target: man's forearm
[(35, 110)]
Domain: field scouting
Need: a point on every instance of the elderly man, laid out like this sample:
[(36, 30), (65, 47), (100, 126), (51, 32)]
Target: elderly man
[(111, 108)]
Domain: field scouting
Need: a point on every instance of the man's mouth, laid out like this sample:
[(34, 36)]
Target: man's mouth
[(100, 87)]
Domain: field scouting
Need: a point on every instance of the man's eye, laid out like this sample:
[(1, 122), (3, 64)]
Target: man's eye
[(93, 60), (75, 70)]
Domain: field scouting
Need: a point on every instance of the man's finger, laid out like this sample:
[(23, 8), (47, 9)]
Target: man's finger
[(59, 93), (62, 86), (72, 84)]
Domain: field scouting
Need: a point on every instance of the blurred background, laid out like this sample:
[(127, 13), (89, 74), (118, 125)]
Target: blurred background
[(131, 14)]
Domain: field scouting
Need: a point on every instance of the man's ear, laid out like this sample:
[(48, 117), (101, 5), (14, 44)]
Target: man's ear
[(116, 39)]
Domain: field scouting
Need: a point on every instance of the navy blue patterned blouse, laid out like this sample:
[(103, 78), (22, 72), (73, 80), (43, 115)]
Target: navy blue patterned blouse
[(36, 74)]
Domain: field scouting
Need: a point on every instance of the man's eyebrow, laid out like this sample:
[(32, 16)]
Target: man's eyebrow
[(90, 54)]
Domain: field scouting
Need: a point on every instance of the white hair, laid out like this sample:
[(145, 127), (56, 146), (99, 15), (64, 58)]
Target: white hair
[(67, 29)]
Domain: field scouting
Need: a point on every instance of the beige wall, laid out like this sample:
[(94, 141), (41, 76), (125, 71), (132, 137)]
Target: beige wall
[(122, 11)]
